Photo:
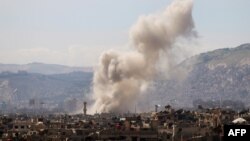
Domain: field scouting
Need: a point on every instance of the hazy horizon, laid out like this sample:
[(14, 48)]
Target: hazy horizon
[(75, 33)]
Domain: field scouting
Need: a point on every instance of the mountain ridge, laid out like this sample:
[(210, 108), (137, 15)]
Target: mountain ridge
[(220, 74), (42, 68)]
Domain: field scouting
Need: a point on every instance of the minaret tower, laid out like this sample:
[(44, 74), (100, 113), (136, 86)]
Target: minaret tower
[(85, 108)]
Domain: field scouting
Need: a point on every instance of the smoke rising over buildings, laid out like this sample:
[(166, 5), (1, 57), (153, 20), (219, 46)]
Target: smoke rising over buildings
[(121, 77)]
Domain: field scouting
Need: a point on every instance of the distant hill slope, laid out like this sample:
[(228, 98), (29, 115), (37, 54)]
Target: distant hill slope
[(42, 68), (219, 75), (20, 88)]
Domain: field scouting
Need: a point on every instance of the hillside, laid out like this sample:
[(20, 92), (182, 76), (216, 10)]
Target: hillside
[(51, 90), (214, 78), (217, 78)]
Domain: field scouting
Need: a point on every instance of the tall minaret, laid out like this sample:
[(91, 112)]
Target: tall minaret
[(85, 108)]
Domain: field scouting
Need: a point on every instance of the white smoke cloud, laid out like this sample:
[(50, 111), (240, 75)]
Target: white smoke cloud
[(121, 77)]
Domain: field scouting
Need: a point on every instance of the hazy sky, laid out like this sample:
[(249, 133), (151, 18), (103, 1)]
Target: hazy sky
[(75, 32)]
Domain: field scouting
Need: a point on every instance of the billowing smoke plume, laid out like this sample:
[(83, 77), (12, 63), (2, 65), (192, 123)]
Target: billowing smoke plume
[(121, 77)]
